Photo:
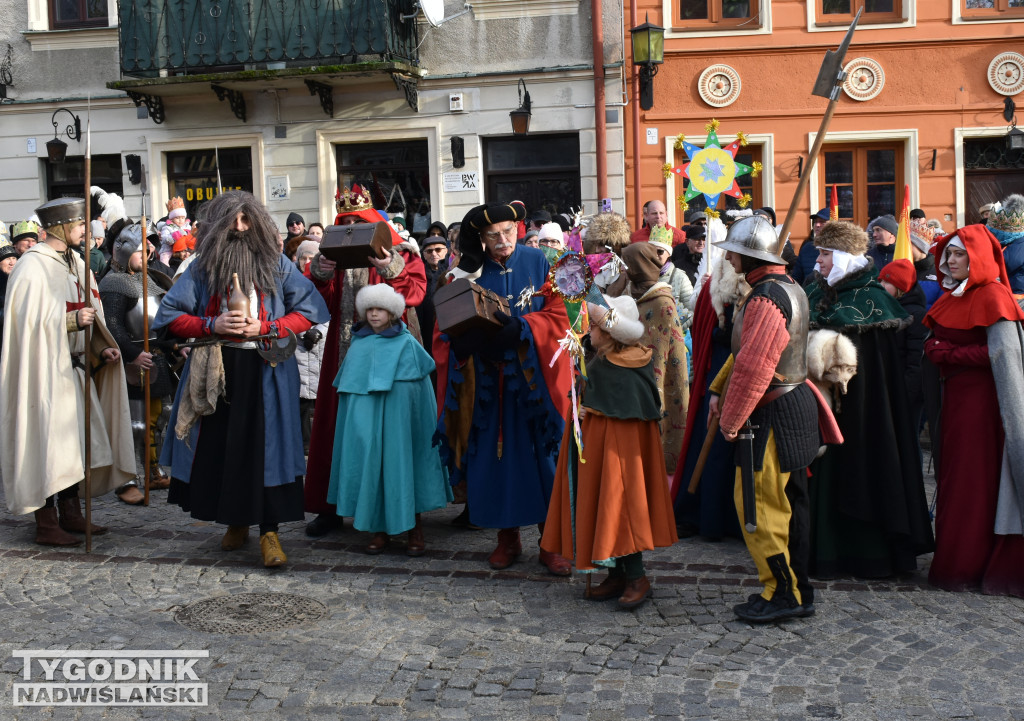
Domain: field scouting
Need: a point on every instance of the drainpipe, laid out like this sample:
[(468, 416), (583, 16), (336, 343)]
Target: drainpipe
[(634, 83), (600, 126)]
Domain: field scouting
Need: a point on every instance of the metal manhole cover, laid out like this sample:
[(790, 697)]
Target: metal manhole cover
[(250, 613)]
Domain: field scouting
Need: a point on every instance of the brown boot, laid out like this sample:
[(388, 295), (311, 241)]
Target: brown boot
[(234, 538), (158, 480), (416, 546), (636, 592), (273, 554), (510, 547), (49, 532), (377, 544), (611, 587), (71, 518)]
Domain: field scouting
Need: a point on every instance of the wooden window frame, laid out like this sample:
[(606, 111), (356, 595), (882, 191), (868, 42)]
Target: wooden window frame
[(860, 184), (866, 18), (715, 21), (75, 24), (1001, 11)]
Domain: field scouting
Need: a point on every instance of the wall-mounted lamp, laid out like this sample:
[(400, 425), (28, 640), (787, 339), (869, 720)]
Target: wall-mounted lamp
[(521, 115), (1015, 136), (648, 54), (57, 149)]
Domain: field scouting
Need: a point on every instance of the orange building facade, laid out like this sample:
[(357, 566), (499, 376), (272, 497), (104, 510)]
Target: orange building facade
[(922, 105)]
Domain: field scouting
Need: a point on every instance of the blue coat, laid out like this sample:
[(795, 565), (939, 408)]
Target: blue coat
[(282, 442)]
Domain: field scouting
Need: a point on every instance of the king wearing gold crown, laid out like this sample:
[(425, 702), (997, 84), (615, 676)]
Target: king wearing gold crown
[(403, 270)]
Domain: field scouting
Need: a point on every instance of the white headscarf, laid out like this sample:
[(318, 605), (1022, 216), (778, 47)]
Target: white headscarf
[(843, 264), (948, 282)]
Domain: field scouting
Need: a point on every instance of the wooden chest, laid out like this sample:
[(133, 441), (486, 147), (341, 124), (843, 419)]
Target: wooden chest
[(351, 245), (463, 306)]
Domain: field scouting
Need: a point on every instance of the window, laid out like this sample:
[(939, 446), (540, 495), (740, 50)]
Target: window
[(543, 171), (991, 9), (397, 174), (67, 14), (192, 175), (716, 13), (750, 186), (67, 179), (868, 179), (842, 12)]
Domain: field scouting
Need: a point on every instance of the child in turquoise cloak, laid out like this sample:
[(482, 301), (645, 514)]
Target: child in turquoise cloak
[(385, 469)]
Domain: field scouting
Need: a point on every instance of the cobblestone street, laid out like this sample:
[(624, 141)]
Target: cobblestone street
[(442, 636)]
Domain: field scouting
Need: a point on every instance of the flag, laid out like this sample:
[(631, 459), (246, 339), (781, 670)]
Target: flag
[(833, 205), (903, 234)]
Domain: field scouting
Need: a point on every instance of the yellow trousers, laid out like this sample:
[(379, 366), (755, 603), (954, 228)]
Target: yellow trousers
[(769, 544)]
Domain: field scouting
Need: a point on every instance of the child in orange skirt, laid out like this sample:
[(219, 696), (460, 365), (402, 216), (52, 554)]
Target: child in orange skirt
[(607, 510)]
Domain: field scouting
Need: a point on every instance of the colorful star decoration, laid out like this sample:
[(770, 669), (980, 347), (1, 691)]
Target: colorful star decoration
[(712, 170)]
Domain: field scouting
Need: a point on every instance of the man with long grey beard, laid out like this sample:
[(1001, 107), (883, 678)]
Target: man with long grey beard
[(236, 451)]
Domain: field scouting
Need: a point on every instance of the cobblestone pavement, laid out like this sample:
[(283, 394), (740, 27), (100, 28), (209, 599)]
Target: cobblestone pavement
[(444, 637)]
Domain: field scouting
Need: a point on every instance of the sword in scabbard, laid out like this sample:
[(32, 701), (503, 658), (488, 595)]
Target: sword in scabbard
[(745, 447)]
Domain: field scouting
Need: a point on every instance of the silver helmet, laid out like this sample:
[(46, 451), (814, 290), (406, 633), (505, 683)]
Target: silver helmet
[(755, 237), (128, 241)]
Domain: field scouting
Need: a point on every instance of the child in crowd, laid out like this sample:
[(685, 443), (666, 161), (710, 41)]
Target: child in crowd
[(176, 227), (607, 511), (385, 470)]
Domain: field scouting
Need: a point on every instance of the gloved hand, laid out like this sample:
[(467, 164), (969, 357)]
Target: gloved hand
[(310, 338), (465, 345), (508, 337)]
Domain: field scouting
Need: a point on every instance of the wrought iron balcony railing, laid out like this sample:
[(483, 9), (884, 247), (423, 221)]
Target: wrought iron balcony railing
[(208, 36)]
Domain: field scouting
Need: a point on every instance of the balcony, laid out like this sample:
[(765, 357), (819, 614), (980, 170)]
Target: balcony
[(167, 47)]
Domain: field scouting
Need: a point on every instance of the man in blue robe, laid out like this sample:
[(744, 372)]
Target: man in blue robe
[(503, 401)]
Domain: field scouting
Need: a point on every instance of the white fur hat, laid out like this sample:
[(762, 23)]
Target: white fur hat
[(380, 296), (551, 231), (621, 319)]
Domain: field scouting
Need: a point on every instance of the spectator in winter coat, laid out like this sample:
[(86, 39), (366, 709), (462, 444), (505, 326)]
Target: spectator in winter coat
[(434, 252), (883, 232), (803, 270)]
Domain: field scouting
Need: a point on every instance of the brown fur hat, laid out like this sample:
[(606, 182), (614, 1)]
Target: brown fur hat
[(842, 235), (603, 229)]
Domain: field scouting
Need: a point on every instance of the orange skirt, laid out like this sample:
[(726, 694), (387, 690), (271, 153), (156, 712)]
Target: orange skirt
[(621, 503)]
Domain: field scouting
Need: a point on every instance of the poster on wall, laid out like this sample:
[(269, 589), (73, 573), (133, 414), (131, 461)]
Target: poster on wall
[(278, 187)]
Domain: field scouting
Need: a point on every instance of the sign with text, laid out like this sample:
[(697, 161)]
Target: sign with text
[(454, 182)]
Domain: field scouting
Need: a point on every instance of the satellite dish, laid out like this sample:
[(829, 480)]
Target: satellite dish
[(433, 11)]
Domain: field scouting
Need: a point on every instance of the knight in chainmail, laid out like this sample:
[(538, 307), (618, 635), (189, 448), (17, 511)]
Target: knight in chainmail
[(121, 293)]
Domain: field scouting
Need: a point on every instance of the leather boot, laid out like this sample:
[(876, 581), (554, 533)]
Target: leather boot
[(49, 532), (510, 547), (636, 592), (234, 538), (416, 546), (158, 480), (323, 524), (611, 587), (273, 554), (557, 564), (71, 518), (378, 543)]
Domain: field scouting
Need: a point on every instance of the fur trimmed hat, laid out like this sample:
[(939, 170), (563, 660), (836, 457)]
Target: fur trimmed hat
[(842, 235), (621, 319), (380, 295), (606, 229)]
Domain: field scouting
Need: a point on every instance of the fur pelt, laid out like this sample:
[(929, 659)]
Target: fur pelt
[(606, 231), (842, 235), (727, 287), (380, 295), (831, 363)]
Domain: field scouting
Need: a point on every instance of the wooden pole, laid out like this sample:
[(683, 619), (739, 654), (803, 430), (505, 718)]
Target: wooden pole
[(705, 450), (88, 336), (144, 247)]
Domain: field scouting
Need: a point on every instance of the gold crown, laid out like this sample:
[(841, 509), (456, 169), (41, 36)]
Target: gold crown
[(352, 201), (174, 203)]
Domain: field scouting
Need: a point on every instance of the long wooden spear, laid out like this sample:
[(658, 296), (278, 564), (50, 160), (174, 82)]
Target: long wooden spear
[(146, 400), (88, 329)]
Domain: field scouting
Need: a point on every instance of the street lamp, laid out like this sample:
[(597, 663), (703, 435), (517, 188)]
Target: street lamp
[(57, 149), (1015, 136), (648, 54), (521, 115)]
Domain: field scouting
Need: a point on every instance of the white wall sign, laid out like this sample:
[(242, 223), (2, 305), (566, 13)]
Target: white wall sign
[(278, 187), (454, 182), (652, 136), (30, 148)]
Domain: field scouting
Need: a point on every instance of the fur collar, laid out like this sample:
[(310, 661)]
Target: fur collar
[(727, 287)]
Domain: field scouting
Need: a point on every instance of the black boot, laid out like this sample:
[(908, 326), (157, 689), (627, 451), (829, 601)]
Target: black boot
[(324, 524)]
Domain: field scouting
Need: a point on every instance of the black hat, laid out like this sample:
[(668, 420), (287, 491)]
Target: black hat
[(540, 216), (563, 222), (917, 213), (7, 251), (695, 232), (61, 210), (479, 217), (767, 212), (294, 218), (440, 226)]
